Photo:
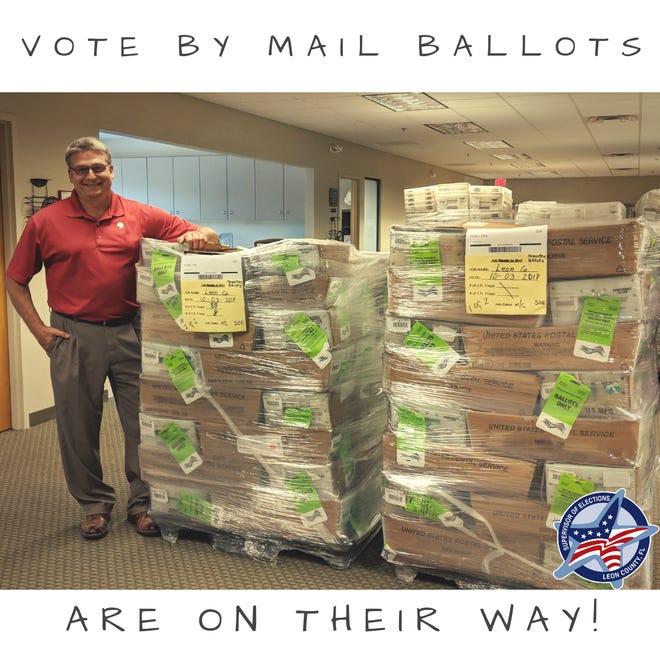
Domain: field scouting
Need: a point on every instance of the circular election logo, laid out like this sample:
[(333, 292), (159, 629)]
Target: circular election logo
[(603, 537)]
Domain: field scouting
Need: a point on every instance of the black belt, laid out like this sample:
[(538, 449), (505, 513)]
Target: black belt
[(109, 323)]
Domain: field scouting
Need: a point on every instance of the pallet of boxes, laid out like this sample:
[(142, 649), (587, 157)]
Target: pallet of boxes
[(520, 375), (648, 208), (262, 408)]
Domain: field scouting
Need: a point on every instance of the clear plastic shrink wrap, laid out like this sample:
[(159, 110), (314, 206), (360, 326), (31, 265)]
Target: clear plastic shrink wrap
[(270, 438), (449, 202), (470, 475), (647, 208)]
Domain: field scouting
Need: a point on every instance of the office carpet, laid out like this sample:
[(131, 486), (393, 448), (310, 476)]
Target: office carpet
[(41, 548)]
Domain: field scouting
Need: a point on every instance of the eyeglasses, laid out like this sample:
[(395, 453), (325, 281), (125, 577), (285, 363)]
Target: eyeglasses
[(82, 171)]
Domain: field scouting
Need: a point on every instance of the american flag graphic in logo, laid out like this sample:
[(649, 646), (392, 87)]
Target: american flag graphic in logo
[(602, 540)]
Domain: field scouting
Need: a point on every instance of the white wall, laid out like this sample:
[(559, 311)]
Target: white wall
[(41, 125)]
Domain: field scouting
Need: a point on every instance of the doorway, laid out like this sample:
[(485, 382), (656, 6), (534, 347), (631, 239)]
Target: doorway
[(371, 225), (349, 210), (5, 389)]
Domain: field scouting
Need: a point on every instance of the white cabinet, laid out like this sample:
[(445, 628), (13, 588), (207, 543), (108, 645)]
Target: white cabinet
[(186, 187), (280, 192), (134, 179), (173, 185), (219, 190), (213, 188), (160, 184), (269, 190), (295, 188), (226, 188), (240, 188)]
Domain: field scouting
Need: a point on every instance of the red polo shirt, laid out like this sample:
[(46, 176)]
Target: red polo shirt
[(90, 265)]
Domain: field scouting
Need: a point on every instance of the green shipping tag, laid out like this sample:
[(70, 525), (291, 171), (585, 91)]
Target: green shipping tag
[(426, 266), (345, 451), (309, 337), (163, 272), (410, 438), (297, 417), (569, 489), (295, 273), (430, 349), (196, 507), (563, 406), (596, 328), (182, 375), (424, 506), (306, 499), (181, 447), (287, 262)]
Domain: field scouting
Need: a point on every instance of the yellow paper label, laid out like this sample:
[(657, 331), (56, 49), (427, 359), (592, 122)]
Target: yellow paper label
[(213, 305), (506, 271)]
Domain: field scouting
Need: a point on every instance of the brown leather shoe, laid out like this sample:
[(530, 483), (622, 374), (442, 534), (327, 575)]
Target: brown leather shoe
[(95, 526), (144, 524)]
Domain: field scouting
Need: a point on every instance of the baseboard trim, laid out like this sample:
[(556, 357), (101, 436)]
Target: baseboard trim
[(48, 414)]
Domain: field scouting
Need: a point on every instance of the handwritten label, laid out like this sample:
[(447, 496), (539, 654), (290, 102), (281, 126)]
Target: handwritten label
[(212, 296), (506, 270)]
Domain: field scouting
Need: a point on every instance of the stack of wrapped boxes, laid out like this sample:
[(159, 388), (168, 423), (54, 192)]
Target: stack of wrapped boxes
[(648, 208), (472, 484), (447, 202), (268, 438)]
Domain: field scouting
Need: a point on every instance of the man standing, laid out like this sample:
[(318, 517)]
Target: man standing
[(89, 245)]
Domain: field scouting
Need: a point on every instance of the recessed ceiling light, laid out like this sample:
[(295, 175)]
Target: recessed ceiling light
[(492, 144), (603, 119), (511, 156), (395, 143), (620, 155), (457, 127), (405, 101), (527, 166)]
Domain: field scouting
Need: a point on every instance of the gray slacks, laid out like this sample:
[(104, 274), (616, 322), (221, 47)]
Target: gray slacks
[(79, 367)]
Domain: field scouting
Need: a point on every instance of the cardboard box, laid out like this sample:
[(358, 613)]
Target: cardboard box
[(638, 480), (326, 410), (459, 468), (397, 329), (157, 325), (267, 259), (339, 524), (159, 398), (259, 459), (431, 547), (612, 248), (614, 394), (266, 369), (549, 348), (447, 304), (339, 324), (313, 446), (440, 423), (574, 250), (438, 530), (637, 294), (613, 442), (279, 291), (514, 518), (354, 363), (464, 387)]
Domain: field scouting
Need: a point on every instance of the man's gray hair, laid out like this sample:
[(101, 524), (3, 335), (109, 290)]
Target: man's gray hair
[(87, 144)]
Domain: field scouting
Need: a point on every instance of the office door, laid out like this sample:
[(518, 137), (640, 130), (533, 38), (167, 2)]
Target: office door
[(5, 400)]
